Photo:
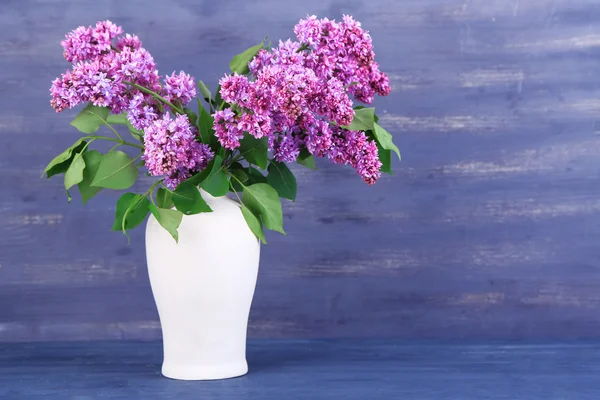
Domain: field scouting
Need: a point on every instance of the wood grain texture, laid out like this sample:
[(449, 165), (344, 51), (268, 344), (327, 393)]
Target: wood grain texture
[(488, 229), (310, 369)]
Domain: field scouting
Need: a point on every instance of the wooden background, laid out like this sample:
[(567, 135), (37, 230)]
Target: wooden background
[(488, 229)]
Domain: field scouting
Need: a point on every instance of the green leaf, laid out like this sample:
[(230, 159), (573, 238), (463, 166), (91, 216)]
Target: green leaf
[(255, 176), (306, 159), (254, 223), (117, 119), (240, 62), (200, 106), (282, 180), (205, 126), (308, 162), (168, 219), (121, 119), (188, 200), (137, 135), (131, 207), (164, 198), (116, 171), (217, 184), (91, 118), (385, 156), (218, 99), (304, 46), (74, 173), (364, 119), (61, 162), (201, 176), (263, 200), (206, 94), (92, 160), (385, 139), (192, 117), (255, 151), (238, 171)]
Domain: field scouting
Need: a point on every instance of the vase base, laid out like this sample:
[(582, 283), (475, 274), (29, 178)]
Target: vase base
[(204, 373)]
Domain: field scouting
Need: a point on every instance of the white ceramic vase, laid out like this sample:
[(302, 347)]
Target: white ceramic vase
[(203, 287)]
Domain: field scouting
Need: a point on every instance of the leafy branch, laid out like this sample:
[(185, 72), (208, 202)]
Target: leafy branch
[(179, 110)]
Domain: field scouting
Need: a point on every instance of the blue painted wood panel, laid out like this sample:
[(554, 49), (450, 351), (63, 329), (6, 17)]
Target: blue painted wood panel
[(310, 369), (489, 227)]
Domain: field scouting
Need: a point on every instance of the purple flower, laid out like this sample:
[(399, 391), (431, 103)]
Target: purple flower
[(318, 138), (283, 92), (171, 149), (344, 51), (286, 101), (87, 82), (136, 66), (285, 146), (100, 73), (84, 44), (234, 88), (308, 31), (180, 88), (64, 93), (131, 41), (353, 148), (333, 103), (258, 125), (226, 129), (296, 98), (142, 111), (176, 178)]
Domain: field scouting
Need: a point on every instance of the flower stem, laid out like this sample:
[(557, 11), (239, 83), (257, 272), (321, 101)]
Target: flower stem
[(235, 159), (121, 141), (105, 122), (158, 96), (234, 192), (114, 147), (151, 190), (135, 204), (236, 178)]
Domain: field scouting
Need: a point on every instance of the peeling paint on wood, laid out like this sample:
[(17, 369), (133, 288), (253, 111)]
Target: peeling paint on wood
[(498, 75), (488, 229), (577, 42), (38, 219), (456, 123)]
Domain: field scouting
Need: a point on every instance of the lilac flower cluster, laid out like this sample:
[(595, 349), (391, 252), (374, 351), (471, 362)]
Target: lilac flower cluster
[(300, 96), (353, 148), (108, 76), (344, 51), (180, 88), (84, 44), (171, 149)]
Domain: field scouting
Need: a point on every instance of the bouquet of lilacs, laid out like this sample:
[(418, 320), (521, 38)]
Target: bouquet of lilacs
[(279, 105)]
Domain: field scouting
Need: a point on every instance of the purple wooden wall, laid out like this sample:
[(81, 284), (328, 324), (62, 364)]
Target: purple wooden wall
[(489, 228)]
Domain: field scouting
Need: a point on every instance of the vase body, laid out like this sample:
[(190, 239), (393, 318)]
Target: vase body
[(203, 288)]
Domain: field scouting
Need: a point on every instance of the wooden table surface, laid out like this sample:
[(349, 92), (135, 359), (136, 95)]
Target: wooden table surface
[(311, 369)]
